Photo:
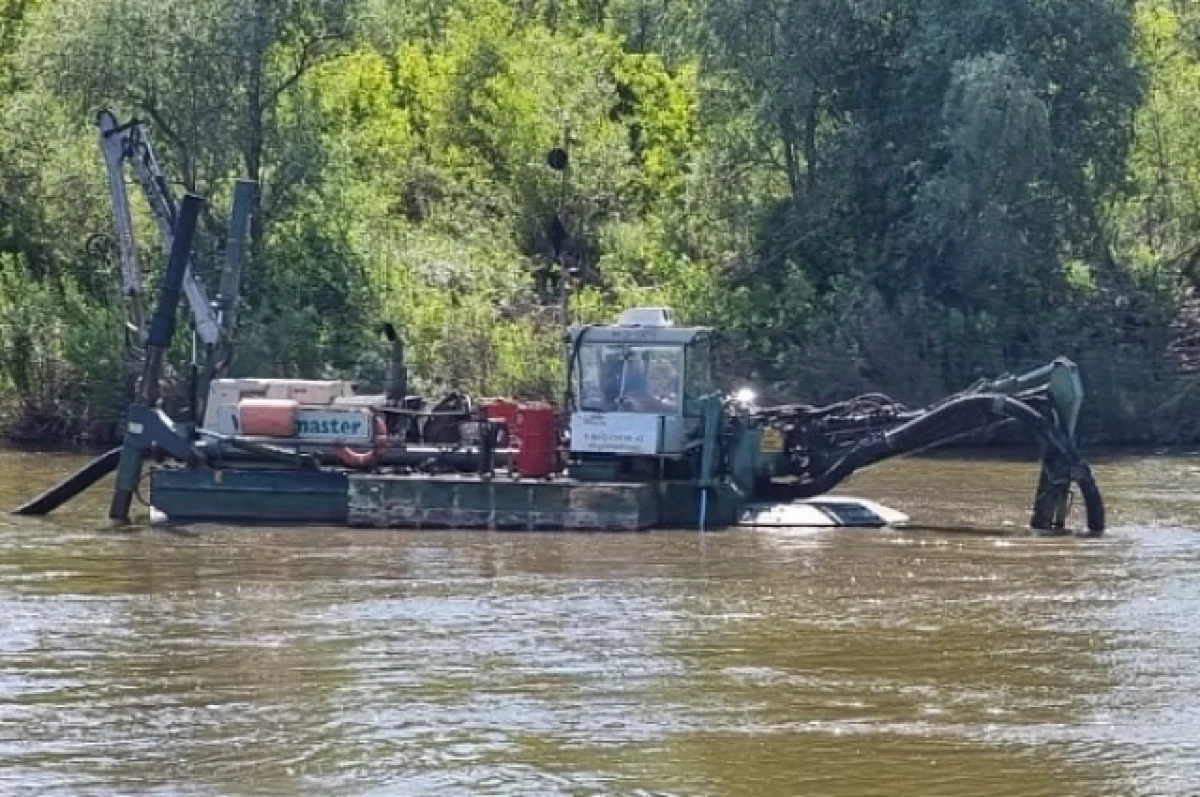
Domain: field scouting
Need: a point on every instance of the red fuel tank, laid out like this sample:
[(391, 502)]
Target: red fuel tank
[(263, 417), (538, 435)]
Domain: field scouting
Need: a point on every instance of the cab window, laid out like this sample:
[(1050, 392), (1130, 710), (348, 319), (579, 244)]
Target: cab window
[(630, 378)]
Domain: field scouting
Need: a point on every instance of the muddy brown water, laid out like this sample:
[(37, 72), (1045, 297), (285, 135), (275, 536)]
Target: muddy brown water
[(843, 663)]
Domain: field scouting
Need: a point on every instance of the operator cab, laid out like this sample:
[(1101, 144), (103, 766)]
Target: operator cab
[(638, 386)]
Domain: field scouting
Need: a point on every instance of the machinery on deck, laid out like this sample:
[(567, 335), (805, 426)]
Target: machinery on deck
[(645, 438)]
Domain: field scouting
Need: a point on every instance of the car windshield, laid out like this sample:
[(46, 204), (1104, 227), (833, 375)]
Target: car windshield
[(630, 378)]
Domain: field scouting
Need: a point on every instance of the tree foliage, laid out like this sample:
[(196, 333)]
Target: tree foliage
[(863, 194)]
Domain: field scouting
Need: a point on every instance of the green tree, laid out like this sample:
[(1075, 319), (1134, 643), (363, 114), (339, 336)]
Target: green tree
[(213, 76), (12, 23), (1157, 222), (935, 151), (867, 194)]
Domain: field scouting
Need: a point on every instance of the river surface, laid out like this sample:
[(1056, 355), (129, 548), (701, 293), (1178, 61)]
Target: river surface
[(923, 663)]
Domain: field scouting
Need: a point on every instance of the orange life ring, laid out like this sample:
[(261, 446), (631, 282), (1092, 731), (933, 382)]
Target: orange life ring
[(366, 459)]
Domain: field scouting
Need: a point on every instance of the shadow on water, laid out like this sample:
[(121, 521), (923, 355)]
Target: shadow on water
[(334, 661)]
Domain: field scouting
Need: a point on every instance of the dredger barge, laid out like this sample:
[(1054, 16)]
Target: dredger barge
[(642, 439)]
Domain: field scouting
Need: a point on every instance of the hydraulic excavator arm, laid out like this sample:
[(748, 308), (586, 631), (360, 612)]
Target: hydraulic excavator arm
[(817, 447), (128, 143)]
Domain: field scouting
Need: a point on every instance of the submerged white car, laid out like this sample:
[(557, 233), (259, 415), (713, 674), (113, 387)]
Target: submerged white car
[(830, 511)]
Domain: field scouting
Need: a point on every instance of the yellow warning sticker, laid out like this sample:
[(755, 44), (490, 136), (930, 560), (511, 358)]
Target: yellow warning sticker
[(772, 442)]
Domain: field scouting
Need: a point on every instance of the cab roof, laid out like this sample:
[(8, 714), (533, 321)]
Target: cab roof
[(647, 336)]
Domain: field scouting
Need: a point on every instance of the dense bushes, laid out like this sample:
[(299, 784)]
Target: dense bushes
[(889, 197)]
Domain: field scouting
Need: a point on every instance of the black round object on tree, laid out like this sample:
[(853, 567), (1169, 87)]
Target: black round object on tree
[(557, 158)]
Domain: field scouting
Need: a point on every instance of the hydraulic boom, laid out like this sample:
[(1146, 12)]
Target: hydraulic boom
[(818, 447), (213, 321), (129, 143)]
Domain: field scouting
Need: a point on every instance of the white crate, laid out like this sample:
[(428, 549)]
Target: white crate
[(228, 392), (313, 393)]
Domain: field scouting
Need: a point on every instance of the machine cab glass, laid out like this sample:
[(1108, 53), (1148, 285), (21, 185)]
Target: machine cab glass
[(643, 364), (620, 377)]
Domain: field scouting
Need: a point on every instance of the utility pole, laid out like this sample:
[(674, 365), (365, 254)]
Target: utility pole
[(559, 159)]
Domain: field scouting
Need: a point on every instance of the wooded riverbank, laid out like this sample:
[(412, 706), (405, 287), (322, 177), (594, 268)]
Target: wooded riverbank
[(897, 198)]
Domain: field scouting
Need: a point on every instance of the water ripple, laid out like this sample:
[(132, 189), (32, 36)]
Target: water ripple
[(329, 661)]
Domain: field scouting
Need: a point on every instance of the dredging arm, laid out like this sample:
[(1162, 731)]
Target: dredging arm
[(128, 142), (213, 321), (819, 446)]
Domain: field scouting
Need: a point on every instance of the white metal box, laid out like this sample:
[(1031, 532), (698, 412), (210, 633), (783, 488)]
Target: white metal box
[(226, 392)]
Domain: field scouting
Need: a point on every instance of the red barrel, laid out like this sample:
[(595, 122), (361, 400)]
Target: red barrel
[(505, 411), (537, 431)]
